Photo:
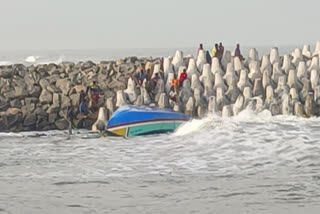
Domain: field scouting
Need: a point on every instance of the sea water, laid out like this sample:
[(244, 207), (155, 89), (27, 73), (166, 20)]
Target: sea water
[(251, 163), (30, 57)]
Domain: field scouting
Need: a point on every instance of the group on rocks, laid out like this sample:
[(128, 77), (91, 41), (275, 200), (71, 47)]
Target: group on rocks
[(43, 97)]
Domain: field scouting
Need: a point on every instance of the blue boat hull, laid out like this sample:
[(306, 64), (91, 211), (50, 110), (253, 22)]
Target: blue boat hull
[(142, 120)]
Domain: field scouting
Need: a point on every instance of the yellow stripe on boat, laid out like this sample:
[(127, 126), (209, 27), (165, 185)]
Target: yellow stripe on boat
[(119, 132)]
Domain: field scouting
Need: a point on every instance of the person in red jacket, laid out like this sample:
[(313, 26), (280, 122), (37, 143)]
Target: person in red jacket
[(183, 77)]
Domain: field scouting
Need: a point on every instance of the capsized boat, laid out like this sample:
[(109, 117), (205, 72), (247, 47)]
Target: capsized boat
[(133, 120)]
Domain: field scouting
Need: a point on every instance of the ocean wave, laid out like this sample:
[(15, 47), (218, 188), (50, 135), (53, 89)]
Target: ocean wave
[(32, 59), (5, 63)]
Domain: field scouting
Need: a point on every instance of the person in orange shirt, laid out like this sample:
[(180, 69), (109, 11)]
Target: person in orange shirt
[(175, 84)]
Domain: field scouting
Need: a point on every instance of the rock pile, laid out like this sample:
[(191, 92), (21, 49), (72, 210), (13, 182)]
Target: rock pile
[(37, 97)]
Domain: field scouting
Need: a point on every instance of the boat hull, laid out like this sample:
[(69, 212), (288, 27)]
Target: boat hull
[(146, 128), (132, 120)]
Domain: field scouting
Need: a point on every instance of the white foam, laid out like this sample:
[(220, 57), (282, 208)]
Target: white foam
[(32, 59), (5, 63)]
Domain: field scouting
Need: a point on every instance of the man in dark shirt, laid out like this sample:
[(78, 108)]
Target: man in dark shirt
[(237, 52)]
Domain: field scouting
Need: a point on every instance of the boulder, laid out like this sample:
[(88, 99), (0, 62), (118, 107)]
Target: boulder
[(45, 97), (62, 124), (101, 122), (64, 85), (5, 72), (30, 120), (243, 80), (15, 103)]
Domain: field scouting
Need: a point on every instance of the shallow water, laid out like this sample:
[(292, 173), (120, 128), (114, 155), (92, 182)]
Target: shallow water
[(245, 164)]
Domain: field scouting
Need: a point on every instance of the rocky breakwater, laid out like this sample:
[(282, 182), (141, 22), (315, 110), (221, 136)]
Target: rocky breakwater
[(37, 97)]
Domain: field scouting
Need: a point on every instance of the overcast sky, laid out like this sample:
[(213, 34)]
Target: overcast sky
[(91, 24)]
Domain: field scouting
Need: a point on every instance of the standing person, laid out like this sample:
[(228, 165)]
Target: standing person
[(208, 57), (215, 50), (155, 80), (82, 96), (221, 49), (175, 84), (237, 52), (94, 95), (83, 107), (183, 77), (200, 47), (140, 77), (70, 117)]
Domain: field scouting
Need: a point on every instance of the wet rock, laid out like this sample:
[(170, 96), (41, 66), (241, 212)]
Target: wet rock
[(131, 91), (207, 78), (195, 83), (258, 88), (282, 85), (219, 82), (293, 80), (159, 89), (305, 90), (298, 109), (233, 92), (255, 72), (230, 77), (30, 120), (269, 95), (286, 105), (101, 122), (247, 94), (110, 106), (243, 80), (221, 98), (227, 111), (163, 101), (238, 106), (5, 72), (275, 109), (185, 92), (190, 107), (212, 105), (309, 106), (62, 124)]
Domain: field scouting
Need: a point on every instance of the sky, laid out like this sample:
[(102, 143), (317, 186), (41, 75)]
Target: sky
[(109, 24)]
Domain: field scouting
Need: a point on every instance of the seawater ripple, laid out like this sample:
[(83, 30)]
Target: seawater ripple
[(251, 163)]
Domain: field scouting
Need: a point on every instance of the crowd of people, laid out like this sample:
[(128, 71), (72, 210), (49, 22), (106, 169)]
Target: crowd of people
[(142, 74), (89, 99), (218, 51)]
